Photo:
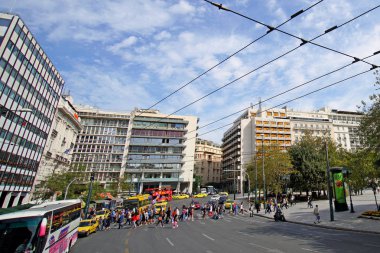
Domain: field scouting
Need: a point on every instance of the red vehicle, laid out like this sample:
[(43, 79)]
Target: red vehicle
[(160, 195)]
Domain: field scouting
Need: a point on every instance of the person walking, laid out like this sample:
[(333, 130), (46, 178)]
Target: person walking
[(120, 220), (316, 213), (160, 218), (309, 202)]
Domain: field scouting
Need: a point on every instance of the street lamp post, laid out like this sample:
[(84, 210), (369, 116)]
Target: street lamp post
[(255, 178), (262, 156), (374, 186), (89, 195), (249, 187), (67, 187)]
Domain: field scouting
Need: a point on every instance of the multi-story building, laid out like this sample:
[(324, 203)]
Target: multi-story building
[(30, 87), (281, 128), (60, 144), (253, 129), (146, 147), (208, 157)]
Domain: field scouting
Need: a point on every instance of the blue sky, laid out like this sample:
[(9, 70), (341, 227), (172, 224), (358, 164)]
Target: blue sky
[(119, 55)]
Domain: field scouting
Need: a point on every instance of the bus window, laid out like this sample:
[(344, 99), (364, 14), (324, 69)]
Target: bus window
[(19, 235)]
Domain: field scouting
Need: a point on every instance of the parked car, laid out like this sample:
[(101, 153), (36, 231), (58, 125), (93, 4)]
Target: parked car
[(102, 214), (86, 227), (197, 205), (200, 195), (228, 203), (215, 197)]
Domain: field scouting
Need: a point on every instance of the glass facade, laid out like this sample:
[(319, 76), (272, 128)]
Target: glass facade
[(30, 88)]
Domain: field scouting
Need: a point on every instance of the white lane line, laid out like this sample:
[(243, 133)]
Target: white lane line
[(263, 247), (170, 242), (309, 250), (202, 222), (371, 245), (208, 237)]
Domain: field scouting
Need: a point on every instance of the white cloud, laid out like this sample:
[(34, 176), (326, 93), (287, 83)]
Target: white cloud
[(123, 44)]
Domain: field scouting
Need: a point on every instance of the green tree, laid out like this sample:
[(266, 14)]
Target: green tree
[(276, 167), (362, 169), (369, 129)]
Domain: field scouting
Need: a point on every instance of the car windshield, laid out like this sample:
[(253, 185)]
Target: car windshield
[(100, 212), (84, 224), (19, 235)]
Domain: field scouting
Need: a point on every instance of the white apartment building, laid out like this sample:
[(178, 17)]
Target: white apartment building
[(281, 127), (145, 146), (60, 144), (30, 88)]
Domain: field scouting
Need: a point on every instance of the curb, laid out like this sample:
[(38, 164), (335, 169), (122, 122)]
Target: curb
[(324, 226)]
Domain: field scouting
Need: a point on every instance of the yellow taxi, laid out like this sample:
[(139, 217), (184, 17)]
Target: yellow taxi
[(86, 227), (102, 214), (223, 194), (180, 196), (228, 203), (200, 195), (160, 206)]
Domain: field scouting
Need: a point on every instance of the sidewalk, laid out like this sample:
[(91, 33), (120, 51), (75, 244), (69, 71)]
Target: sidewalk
[(300, 213)]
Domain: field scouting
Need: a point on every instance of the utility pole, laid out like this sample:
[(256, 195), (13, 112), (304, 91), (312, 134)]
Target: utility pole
[(256, 178), (89, 195), (67, 188), (262, 156)]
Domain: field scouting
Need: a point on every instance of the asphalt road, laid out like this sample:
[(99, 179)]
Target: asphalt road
[(231, 234)]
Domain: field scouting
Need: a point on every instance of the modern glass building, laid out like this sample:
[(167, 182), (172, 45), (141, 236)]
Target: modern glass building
[(146, 147), (30, 87)]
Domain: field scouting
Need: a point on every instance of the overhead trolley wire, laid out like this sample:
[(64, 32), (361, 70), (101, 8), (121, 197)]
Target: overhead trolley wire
[(230, 56), (286, 91), (291, 100), (304, 41), (269, 62)]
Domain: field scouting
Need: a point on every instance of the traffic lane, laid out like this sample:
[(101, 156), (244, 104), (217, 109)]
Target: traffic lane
[(190, 236), (113, 240), (317, 238)]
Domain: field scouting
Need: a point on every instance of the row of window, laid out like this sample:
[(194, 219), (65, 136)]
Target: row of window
[(10, 178), (64, 216), (24, 103), (165, 166), (105, 122), (147, 149), (150, 157), (101, 139), (158, 124), (24, 61), (39, 55), (136, 140), (12, 116), (18, 161), (19, 141), (146, 132)]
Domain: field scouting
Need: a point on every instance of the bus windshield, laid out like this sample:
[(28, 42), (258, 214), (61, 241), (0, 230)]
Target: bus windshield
[(19, 235), (130, 204)]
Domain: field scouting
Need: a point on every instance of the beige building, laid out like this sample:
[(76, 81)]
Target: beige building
[(208, 157), (60, 144)]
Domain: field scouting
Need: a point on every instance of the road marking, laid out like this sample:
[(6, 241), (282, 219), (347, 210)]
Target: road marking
[(372, 245), (268, 249), (309, 250), (227, 220), (208, 237), (170, 242), (202, 222), (126, 242)]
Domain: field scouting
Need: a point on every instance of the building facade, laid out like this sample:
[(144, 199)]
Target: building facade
[(208, 157), (30, 87), (145, 147), (57, 154), (281, 127)]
